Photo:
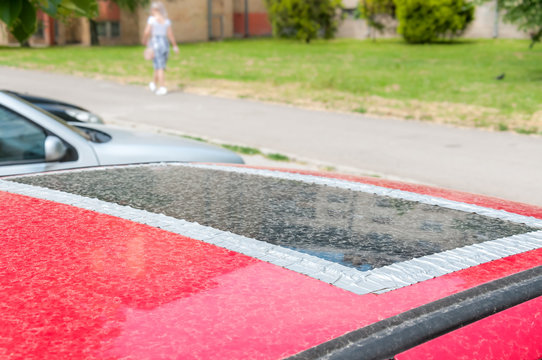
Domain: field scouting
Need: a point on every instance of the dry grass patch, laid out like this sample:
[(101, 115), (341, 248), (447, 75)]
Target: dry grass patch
[(462, 115)]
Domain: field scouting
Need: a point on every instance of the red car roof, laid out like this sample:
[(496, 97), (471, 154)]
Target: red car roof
[(78, 282)]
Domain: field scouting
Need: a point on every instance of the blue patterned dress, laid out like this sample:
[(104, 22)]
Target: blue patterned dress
[(159, 42)]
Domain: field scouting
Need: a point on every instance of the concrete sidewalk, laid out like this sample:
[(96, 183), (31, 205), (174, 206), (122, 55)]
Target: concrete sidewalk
[(504, 165)]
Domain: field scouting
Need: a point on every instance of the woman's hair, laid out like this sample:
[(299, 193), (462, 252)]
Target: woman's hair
[(160, 7)]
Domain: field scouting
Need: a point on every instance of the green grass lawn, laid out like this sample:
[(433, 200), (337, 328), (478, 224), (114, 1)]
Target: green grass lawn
[(450, 83)]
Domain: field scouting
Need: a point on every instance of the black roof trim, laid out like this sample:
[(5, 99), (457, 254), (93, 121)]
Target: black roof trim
[(389, 337)]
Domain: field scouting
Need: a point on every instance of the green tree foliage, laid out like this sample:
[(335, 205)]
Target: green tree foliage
[(423, 21), (20, 15), (304, 19), (526, 14), (373, 10)]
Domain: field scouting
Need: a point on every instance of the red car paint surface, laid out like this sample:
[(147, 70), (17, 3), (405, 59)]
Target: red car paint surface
[(513, 334), (105, 287)]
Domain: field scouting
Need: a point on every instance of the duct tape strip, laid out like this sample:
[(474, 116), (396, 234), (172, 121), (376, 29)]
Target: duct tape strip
[(379, 280)]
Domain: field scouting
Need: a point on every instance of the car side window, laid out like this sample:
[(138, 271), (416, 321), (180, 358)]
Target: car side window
[(20, 139)]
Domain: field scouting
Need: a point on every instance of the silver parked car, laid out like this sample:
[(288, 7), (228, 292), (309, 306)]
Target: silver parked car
[(33, 140), (62, 109)]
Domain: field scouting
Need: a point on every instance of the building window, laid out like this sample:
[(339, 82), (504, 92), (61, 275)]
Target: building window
[(101, 27), (109, 29), (39, 30), (115, 29)]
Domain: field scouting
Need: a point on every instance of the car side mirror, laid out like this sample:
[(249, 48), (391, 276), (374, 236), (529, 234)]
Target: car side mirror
[(55, 149)]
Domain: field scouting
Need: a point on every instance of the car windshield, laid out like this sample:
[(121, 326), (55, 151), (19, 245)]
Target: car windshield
[(71, 127)]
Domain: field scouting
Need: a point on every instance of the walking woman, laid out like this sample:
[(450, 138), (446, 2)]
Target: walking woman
[(156, 36)]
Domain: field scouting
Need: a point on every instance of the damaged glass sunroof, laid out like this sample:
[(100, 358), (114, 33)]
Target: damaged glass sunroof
[(353, 228)]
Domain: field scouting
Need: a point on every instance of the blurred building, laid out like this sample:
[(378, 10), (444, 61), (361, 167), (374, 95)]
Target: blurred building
[(50, 32), (193, 20), (202, 20), (487, 24)]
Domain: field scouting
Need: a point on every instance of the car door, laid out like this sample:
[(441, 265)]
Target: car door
[(23, 139)]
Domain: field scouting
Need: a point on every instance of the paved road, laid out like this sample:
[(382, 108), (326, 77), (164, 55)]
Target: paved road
[(504, 165)]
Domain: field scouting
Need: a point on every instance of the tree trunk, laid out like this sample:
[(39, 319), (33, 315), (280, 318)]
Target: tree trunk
[(535, 37), (94, 40)]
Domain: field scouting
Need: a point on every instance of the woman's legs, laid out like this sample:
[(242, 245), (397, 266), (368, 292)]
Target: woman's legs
[(159, 77), (155, 78), (158, 80)]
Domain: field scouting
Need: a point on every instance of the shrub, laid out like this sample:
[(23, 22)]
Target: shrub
[(423, 21), (304, 19), (374, 12)]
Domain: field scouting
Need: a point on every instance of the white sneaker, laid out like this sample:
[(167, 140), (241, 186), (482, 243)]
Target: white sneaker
[(161, 91), (152, 86)]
